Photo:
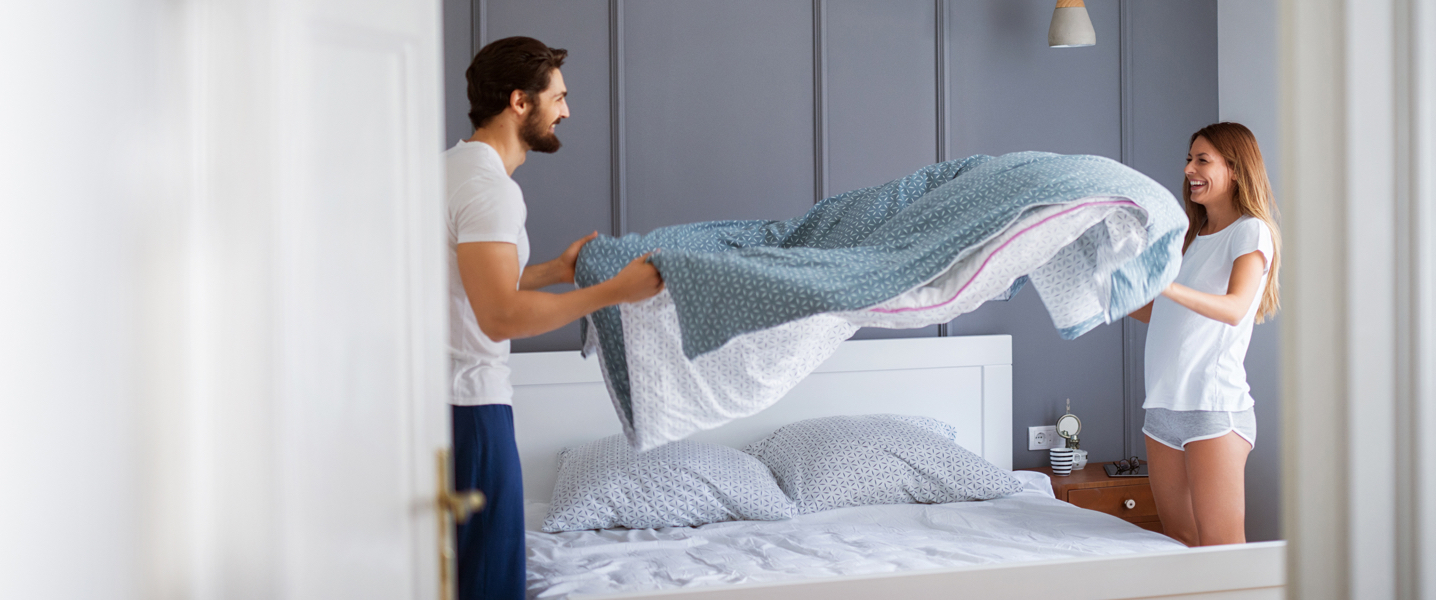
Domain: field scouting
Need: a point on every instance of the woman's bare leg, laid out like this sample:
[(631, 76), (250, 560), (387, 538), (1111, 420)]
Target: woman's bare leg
[(1216, 476), (1167, 472)]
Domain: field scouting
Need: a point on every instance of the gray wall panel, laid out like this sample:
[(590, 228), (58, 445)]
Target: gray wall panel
[(1047, 370), (1174, 83), (567, 192), (718, 99), (1263, 480), (1011, 92), (458, 52), (1247, 67), (881, 100), (719, 111), (1172, 69)]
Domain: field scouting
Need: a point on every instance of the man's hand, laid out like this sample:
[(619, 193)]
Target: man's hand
[(558, 270), (567, 262), (637, 281), (490, 270)]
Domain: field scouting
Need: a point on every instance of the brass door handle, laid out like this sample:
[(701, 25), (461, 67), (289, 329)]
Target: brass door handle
[(453, 508), (462, 505)]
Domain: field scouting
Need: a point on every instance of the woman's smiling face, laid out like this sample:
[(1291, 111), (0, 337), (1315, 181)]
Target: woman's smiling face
[(1208, 176)]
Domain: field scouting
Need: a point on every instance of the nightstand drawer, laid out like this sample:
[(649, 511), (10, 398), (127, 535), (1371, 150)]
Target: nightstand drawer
[(1113, 501)]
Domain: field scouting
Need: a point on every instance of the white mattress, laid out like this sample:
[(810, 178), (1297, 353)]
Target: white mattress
[(1027, 526)]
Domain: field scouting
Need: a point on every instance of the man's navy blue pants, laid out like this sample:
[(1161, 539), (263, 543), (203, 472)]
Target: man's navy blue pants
[(491, 544)]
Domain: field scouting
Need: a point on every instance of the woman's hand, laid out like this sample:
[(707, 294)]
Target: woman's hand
[(1143, 314)]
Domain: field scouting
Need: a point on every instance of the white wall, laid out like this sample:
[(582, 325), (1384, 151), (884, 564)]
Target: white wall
[(1247, 90), (1358, 83), (148, 450), (88, 116)]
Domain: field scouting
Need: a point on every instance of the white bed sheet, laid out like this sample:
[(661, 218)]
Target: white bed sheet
[(1027, 526)]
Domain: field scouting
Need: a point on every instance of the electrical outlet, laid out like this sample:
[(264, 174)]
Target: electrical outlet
[(1042, 438)]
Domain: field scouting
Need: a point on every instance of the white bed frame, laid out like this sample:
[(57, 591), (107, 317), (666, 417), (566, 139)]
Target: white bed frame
[(560, 400)]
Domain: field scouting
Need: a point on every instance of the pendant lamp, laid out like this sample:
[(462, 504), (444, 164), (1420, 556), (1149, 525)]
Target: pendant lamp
[(1071, 27)]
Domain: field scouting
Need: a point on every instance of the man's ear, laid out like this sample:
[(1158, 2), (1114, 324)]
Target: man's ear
[(520, 102)]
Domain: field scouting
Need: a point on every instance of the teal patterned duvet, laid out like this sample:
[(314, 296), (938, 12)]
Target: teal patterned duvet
[(751, 307)]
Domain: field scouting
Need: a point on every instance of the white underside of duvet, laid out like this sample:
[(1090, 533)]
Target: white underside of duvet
[(673, 397), (1028, 526)]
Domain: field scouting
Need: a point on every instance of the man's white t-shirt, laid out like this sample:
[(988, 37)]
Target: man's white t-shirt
[(484, 205), (1196, 363)]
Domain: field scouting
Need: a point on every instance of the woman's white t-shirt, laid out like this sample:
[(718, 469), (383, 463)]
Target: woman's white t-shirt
[(484, 205), (1196, 363)]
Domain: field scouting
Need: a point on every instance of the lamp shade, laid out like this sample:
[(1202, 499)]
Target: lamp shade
[(1071, 27)]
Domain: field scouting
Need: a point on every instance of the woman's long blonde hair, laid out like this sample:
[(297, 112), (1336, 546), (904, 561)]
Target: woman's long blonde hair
[(1251, 192)]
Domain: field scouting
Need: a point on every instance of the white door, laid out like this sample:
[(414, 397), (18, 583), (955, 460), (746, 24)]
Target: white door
[(224, 333), (357, 272)]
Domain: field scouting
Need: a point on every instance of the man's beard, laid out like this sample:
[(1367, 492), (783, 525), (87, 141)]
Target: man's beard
[(537, 136)]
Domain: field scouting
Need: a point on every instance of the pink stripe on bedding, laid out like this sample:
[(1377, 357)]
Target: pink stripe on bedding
[(999, 249)]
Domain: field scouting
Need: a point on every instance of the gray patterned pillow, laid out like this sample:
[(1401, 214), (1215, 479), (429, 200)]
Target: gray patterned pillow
[(834, 462), (604, 484)]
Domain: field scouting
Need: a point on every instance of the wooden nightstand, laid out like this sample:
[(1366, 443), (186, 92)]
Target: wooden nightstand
[(1091, 488)]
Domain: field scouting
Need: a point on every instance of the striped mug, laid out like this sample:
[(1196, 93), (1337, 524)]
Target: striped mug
[(1061, 460)]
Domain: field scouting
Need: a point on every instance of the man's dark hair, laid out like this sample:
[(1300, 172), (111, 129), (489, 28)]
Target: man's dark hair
[(515, 63)]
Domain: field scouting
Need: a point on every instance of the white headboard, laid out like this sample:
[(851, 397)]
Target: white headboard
[(560, 399)]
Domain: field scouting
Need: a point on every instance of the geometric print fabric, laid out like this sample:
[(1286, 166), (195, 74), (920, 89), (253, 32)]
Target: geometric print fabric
[(863, 247), (672, 397), (858, 250), (604, 484), (836, 462)]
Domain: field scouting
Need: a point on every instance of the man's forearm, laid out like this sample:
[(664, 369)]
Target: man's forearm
[(541, 275), (507, 305), (531, 313)]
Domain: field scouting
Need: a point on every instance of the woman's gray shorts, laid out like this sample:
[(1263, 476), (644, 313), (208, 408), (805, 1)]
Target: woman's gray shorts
[(1177, 428)]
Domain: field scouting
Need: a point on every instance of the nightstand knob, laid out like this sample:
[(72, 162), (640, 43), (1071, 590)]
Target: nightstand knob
[(1130, 504)]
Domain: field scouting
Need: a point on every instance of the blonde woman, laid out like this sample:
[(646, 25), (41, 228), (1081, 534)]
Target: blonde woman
[(1200, 422)]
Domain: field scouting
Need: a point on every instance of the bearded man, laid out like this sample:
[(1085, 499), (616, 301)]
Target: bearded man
[(517, 99)]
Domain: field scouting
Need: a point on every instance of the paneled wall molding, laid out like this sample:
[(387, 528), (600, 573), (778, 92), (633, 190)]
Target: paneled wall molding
[(1133, 392), (894, 86), (820, 100), (479, 34), (944, 83), (943, 77), (1124, 45), (618, 195)]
